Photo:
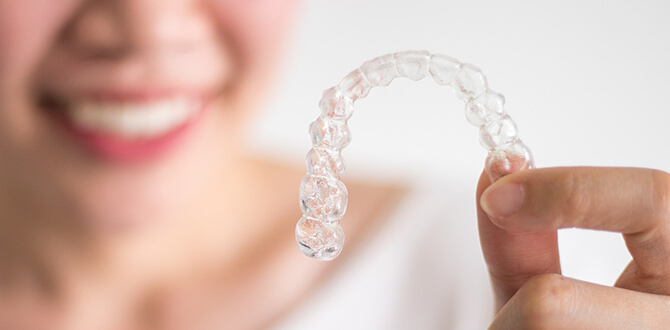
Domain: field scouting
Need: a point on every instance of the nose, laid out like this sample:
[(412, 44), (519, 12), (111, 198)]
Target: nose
[(118, 28)]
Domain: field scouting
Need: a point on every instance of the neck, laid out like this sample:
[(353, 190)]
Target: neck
[(55, 249)]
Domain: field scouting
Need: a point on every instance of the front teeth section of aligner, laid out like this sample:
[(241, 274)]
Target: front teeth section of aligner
[(323, 197)]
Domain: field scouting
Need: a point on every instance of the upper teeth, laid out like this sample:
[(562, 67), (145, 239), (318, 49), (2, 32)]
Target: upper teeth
[(133, 120)]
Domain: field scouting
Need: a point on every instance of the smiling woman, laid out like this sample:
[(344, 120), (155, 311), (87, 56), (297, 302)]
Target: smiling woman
[(127, 198)]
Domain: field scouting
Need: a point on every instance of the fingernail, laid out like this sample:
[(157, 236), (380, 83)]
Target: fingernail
[(502, 200)]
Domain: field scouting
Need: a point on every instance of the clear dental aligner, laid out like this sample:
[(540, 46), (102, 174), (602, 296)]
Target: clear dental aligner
[(323, 197)]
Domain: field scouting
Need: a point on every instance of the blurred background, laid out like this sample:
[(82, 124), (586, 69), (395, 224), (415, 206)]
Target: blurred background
[(586, 81)]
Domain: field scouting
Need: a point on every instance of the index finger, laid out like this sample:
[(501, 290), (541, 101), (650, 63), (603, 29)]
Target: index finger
[(632, 201)]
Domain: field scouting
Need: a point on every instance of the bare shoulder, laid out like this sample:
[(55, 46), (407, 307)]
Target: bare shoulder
[(366, 197), (370, 205), (372, 200)]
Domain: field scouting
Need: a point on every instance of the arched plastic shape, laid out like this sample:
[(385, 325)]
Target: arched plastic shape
[(323, 197)]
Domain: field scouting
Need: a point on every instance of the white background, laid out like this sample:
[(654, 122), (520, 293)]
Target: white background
[(588, 83)]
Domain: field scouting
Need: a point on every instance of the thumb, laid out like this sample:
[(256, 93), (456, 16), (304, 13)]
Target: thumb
[(512, 257)]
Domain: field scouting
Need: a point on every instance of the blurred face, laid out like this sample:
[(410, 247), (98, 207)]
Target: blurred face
[(117, 111)]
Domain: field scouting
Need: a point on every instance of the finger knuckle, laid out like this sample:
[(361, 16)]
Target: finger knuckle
[(547, 299)]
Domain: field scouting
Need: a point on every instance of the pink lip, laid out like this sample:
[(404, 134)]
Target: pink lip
[(119, 149), (127, 150)]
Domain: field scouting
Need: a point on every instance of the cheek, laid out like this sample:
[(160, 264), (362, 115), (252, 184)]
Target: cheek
[(256, 28), (256, 31), (27, 29)]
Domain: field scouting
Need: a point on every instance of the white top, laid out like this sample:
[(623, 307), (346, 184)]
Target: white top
[(423, 270)]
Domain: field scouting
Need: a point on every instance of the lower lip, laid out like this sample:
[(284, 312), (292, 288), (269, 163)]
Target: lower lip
[(121, 149)]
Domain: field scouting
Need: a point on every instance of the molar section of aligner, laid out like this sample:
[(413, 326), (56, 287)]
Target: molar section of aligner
[(469, 82), (443, 69), (319, 240), (323, 198), (380, 71), (412, 64), (355, 85), (508, 158), (498, 132), (325, 162)]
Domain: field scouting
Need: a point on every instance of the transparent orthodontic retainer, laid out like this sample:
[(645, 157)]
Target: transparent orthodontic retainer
[(323, 197)]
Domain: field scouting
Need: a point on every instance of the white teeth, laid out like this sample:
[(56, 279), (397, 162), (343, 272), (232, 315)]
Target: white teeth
[(133, 120)]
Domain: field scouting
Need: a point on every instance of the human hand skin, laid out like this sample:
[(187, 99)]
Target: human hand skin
[(519, 241)]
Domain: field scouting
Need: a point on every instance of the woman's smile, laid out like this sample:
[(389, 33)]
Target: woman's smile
[(126, 126)]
